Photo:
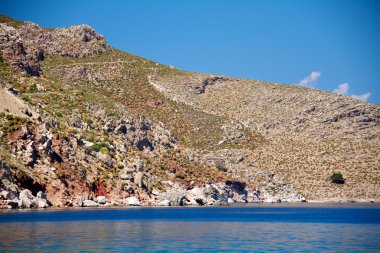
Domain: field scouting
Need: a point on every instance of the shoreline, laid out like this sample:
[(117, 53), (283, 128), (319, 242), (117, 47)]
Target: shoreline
[(314, 203)]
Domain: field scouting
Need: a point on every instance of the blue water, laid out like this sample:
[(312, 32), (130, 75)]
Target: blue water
[(257, 228)]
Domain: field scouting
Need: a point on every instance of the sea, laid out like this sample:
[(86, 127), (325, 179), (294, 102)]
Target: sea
[(249, 228)]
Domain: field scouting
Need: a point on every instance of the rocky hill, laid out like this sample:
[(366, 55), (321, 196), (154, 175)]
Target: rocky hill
[(84, 124)]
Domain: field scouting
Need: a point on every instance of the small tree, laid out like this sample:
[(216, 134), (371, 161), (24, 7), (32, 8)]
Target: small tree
[(337, 178)]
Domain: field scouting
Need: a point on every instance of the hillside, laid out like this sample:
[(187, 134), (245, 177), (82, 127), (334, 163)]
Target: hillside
[(98, 126)]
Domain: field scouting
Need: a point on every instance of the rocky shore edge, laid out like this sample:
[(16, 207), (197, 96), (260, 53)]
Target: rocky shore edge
[(210, 194), (344, 200), (230, 193), (31, 202)]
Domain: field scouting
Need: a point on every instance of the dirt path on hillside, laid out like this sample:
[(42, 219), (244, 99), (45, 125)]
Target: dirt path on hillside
[(89, 63)]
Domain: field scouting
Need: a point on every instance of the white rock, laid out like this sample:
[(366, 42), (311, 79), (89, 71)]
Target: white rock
[(41, 200), (164, 203), (25, 199), (195, 196), (40, 87), (88, 144), (101, 199), (269, 200), (4, 194), (155, 192), (80, 200), (89, 203), (132, 201), (42, 203)]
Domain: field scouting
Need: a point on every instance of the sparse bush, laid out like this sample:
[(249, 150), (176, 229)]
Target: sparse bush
[(59, 114), (73, 131), (89, 121), (337, 178), (33, 88), (104, 150), (221, 166)]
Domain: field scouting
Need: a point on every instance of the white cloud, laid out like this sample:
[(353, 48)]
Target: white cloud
[(310, 80), (363, 97), (342, 89)]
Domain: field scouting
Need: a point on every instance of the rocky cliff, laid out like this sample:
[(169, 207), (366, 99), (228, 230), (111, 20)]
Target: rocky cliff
[(83, 124)]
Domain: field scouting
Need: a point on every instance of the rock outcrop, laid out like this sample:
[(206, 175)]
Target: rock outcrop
[(12, 197), (24, 48)]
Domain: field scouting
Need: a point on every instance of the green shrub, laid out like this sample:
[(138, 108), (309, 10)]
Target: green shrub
[(98, 146), (59, 114), (337, 178), (33, 88)]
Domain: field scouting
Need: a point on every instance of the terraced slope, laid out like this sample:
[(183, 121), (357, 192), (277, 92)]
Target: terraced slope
[(310, 133)]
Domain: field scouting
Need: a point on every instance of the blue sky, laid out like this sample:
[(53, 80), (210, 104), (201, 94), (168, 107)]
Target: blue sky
[(325, 44)]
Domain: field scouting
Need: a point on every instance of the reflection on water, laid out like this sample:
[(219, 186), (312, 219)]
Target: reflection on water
[(186, 236), (99, 235)]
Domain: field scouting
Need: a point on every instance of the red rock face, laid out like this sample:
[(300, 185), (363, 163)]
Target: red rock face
[(18, 134), (99, 188)]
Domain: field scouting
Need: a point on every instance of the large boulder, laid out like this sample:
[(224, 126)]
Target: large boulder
[(43, 203), (89, 203), (80, 201), (42, 200), (26, 199), (105, 158), (164, 202), (194, 197), (101, 200), (132, 201)]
